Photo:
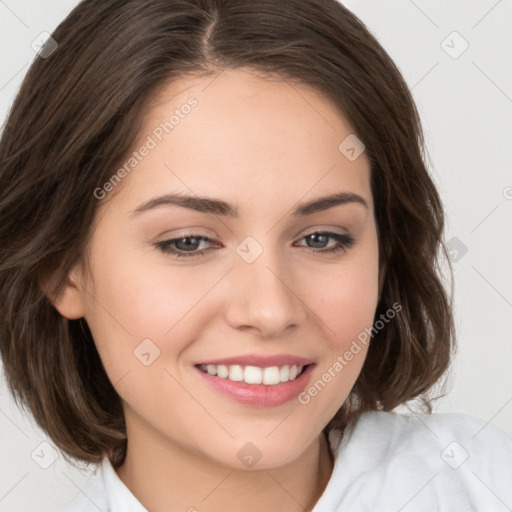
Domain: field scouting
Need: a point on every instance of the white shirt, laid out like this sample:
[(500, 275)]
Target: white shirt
[(445, 462)]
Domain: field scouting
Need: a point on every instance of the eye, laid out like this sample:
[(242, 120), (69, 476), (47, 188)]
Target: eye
[(319, 239), (188, 246)]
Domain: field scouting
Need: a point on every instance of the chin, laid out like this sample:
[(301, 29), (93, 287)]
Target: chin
[(254, 453)]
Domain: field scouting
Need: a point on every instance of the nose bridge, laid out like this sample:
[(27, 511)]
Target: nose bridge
[(261, 290)]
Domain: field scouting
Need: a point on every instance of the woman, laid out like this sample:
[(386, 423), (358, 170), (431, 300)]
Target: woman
[(220, 265)]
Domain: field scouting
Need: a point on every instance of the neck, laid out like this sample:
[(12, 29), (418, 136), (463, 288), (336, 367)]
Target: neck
[(174, 479)]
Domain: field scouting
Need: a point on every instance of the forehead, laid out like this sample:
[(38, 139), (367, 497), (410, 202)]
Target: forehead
[(245, 138)]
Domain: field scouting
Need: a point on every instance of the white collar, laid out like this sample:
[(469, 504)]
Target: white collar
[(119, 497)]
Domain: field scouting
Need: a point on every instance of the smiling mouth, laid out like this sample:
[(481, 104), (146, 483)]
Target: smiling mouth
[(270, 375)]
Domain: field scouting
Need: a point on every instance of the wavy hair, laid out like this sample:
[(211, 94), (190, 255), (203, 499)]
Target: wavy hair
[(76, 116)]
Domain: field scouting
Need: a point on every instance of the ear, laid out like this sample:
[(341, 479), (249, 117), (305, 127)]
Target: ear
[(70, 301)]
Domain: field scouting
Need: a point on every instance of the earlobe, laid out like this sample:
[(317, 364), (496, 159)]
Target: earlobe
[(69, 302)]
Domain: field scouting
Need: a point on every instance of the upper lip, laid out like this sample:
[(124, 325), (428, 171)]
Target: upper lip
[(261, 361)]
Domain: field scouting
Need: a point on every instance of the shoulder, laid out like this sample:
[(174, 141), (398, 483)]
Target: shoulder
[(92, 496), (435, 439), (450, 460), (439, 425), (420, 433)]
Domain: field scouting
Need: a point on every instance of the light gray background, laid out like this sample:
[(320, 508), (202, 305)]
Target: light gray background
[(466, 107)]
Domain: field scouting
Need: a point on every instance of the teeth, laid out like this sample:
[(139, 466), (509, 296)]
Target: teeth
[(236, 373), (253, 375), (269, 376), (222, 371)]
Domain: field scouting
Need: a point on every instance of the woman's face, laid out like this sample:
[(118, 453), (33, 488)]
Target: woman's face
[(254, 287)]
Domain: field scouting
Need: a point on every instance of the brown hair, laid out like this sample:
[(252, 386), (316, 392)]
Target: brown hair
[(76, 116)]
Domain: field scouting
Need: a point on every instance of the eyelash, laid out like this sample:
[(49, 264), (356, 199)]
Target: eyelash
[(345, 241)]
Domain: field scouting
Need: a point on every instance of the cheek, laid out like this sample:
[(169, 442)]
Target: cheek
[(346, 299), (346, 302), (347, 312), (134, 300), (130, 302)]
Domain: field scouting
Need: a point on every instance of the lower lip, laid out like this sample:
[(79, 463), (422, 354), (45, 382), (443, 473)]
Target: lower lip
[(259, 395)]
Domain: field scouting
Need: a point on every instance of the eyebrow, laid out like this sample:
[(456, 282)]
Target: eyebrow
[(218, 207)]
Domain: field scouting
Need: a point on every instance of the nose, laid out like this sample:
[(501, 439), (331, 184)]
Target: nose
[(264, 296)]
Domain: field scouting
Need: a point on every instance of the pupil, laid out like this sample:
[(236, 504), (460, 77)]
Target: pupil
[(195, 242), (318, 238)]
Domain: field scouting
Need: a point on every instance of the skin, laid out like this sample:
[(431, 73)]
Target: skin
[(263, 146)]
